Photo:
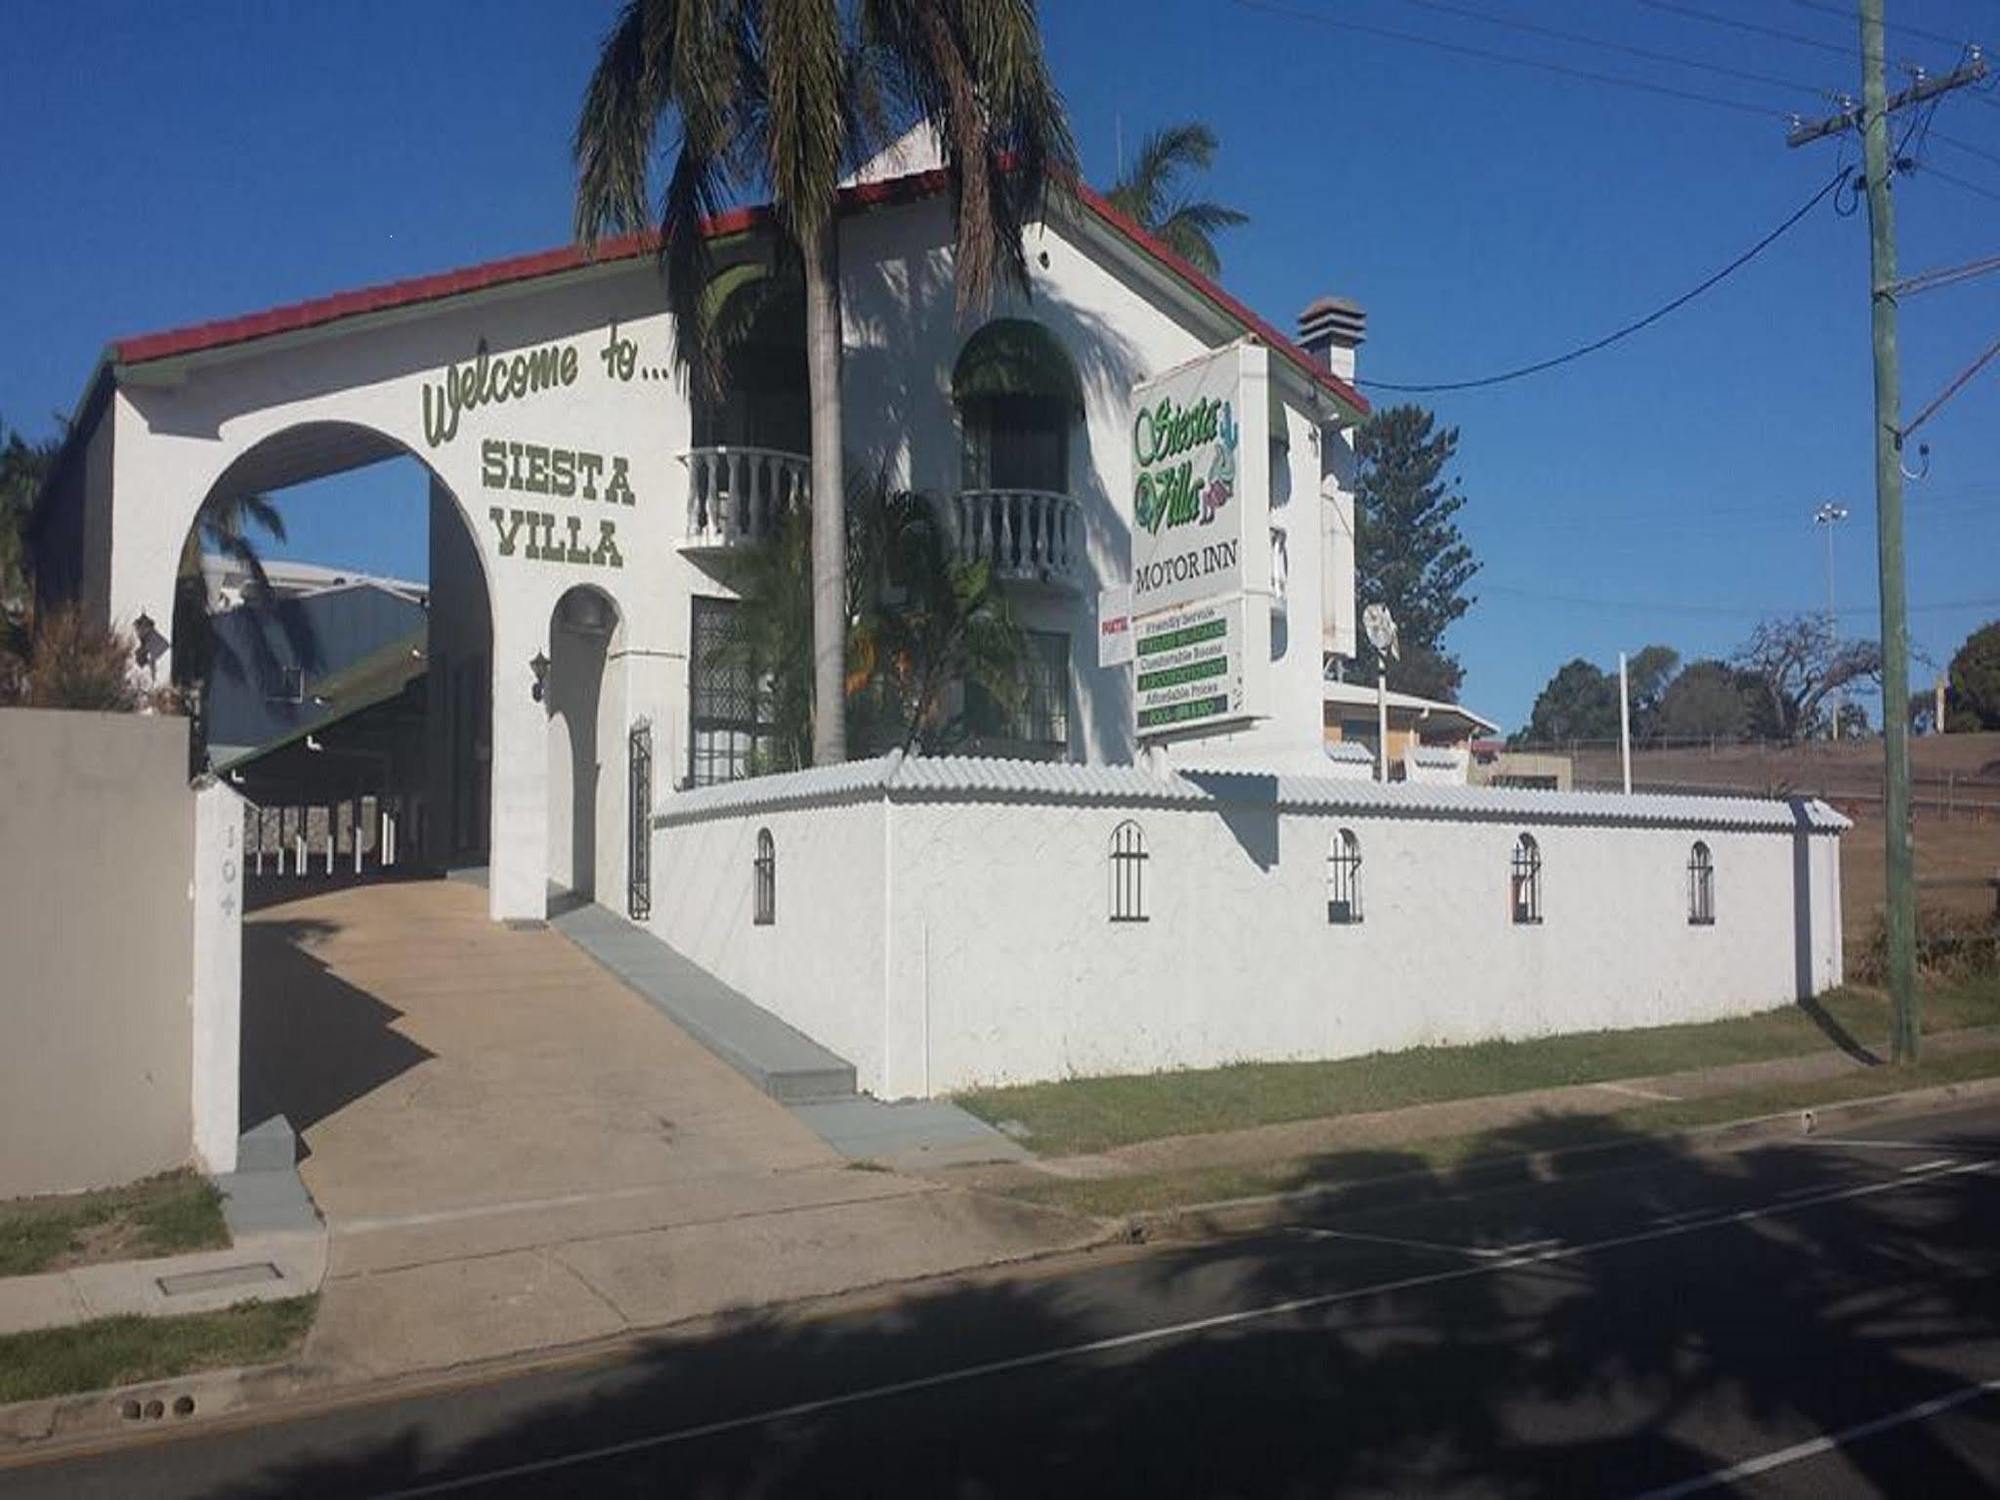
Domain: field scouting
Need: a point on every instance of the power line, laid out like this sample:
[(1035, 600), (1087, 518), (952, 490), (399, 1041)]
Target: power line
[(1675, 606), (1902, 26), (1966, 146), (1694, 14), (1957, 384), (1645, 54), (1563, 70), (1930, 281), (1630, 328), (1958, 182)]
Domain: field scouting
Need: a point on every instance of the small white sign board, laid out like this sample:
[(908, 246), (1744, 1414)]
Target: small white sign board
[(1114, 626)]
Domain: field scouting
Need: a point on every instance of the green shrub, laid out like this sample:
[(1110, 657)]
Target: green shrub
[(1950, 946)]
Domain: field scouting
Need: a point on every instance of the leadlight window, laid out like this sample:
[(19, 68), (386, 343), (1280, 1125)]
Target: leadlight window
[(764, 872), (1128, 873), (1343, 878), (1701, 886), (728, 734), (1525, 883)]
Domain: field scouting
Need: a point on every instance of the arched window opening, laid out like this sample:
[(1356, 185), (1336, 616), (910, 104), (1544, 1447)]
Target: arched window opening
[(1701, 886), (1017, 396), (1525, 884), (1128, 873), (766, 879), (1343, 878)]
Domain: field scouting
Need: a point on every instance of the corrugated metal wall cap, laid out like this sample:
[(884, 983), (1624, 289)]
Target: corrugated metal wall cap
[(970, 775), (942, 777)]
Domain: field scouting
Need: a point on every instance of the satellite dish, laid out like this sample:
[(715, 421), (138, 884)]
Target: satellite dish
[(1381, 629)]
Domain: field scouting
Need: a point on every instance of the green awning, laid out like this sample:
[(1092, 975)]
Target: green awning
[(1015, 357)]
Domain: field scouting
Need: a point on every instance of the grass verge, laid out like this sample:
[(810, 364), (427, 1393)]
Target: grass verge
[(1097, 1114), (164, 1215), (121, 1351), (1461, 1156)]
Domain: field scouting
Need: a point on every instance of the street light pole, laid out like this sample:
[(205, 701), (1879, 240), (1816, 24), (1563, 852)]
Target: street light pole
[(1826, 518)]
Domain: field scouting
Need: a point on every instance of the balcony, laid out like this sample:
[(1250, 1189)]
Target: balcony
[(736, 496), (1024, 536)]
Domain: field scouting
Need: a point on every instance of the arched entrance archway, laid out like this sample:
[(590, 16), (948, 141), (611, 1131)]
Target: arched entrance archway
[(323, 686), (582, 691)]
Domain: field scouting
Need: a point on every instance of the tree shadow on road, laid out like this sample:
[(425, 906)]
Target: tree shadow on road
[(1600, 1323)]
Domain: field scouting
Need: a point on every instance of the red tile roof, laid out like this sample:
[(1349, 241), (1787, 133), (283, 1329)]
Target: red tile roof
[(296, 316)]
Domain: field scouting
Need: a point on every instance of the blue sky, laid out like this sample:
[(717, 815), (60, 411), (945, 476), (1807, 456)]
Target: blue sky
[(167, 164)]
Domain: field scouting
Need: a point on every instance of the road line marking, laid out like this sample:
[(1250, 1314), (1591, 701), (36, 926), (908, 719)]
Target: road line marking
[(1527, 1248), (1681, 1217), (1161, 1334), (1638, 1093), (1927, 1166), (1314, 1232), (1823, 1140), (1800, 1192), (1764, 1463)]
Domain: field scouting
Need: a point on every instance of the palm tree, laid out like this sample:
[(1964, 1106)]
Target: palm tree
[(1145, 193), (778, 99), (224, 526), (920, 622)]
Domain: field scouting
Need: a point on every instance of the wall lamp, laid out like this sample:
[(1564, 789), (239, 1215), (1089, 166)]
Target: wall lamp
[(539, 665), (152, 645)]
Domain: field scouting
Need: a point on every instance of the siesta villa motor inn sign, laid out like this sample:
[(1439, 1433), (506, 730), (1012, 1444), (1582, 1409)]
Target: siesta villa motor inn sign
[(1201, 567)]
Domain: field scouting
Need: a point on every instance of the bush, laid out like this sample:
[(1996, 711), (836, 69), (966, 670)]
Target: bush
[(64, 659), (1950, 946)]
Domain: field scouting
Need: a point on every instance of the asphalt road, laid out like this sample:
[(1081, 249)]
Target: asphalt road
[(1823, 1313)]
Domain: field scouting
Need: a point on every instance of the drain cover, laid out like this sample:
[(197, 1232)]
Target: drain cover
[(257, 1273)]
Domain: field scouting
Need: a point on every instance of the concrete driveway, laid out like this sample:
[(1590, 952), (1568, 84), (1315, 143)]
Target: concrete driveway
[(513, 1150)]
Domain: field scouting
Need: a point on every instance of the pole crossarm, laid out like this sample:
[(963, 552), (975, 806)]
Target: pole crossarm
[(1930, 281), (1971, 71)]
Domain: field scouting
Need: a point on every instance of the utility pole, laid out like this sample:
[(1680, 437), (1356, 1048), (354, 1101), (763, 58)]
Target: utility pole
[(1873, 118), (1826, 518)]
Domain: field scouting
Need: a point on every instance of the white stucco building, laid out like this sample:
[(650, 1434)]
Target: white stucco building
[(943, 922)]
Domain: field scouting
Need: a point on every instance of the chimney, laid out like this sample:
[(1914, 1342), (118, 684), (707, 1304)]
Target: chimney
[(1331, 329)]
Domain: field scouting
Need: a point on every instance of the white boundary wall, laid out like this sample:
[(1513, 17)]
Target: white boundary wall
[(945, 923)]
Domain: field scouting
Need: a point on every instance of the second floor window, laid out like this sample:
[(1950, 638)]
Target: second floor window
[(1016, 443)]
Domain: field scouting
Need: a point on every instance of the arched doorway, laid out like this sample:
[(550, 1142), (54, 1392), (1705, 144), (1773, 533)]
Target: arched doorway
[(351, 681), (582, 692)]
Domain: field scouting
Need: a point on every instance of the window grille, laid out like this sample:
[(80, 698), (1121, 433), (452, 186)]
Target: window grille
[(1701, 886), (1525, 886), (1038, 728), (728, 726), (1343, 878), (1128, 873), (765, 870)]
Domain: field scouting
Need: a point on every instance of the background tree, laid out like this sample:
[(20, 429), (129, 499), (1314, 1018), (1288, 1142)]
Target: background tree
[(1972, 695), (778, 100), (1648, 673), (1409, 552), (23, 466), (1707, 700), (1149, 192), (1579, 703), (1796, 665)]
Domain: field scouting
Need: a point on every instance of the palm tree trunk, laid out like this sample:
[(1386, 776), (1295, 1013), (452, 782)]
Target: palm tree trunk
[(829, 497)]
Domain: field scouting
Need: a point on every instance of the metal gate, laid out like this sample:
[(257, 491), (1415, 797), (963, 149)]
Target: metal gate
[(639, 826)]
